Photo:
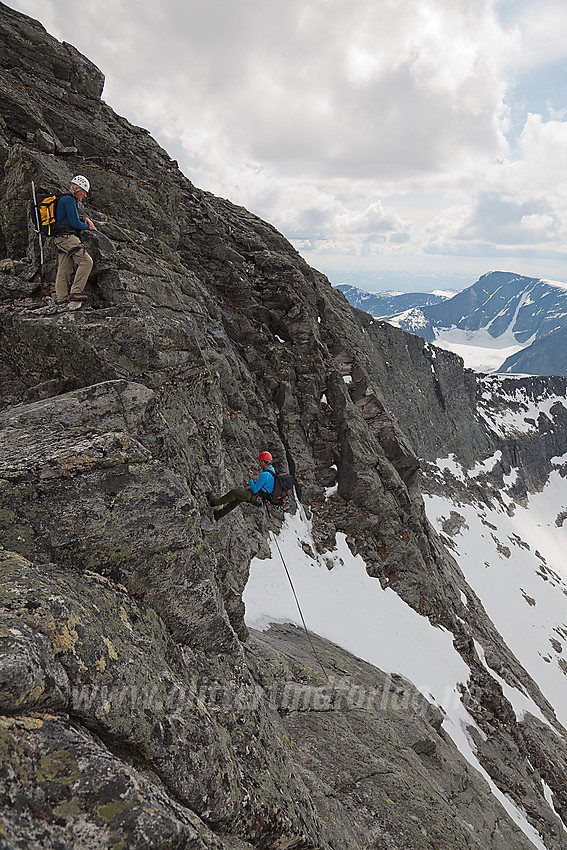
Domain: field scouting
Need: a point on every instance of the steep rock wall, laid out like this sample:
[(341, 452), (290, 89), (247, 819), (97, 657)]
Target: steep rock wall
[(209, 338)]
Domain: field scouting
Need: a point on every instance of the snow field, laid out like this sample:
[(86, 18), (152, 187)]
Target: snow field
[(516, 565), (480, 351), (345, 605), (522, 414)]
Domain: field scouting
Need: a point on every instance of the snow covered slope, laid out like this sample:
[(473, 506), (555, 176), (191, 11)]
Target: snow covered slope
[(341, 602), (509, 544), (513, 557)]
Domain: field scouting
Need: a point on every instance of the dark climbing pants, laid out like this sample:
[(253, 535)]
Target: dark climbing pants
[(233, 499)]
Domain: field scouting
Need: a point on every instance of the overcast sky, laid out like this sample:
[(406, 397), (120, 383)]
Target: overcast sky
[(413, 135)]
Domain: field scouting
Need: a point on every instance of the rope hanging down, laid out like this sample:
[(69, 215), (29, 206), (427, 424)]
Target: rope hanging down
[(313, 650), (208, 368)]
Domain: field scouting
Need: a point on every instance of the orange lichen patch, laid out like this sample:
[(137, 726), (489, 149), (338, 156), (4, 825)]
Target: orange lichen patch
[(63, 636)]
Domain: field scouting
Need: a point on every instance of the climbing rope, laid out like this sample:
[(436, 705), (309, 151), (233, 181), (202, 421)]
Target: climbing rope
[(211, 377), (311, 644)]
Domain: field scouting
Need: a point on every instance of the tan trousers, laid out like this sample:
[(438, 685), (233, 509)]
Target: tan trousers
[(71, 254)]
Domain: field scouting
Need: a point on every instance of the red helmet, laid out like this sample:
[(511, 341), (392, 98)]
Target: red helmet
[(265, 456)]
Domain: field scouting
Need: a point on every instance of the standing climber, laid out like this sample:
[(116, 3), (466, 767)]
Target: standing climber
[(71, 253), (235, 497)]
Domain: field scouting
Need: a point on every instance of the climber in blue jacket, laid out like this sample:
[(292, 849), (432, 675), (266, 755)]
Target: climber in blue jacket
[(71, 253), (235, 497)]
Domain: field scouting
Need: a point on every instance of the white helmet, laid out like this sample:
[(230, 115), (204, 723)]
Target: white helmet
[(81, 182)]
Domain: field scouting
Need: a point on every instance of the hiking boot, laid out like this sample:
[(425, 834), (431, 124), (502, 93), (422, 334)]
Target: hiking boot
[(207, 524), (78, 296)]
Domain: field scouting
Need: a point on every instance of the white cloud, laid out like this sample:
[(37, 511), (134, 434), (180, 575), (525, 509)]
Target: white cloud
[(542, 26), (522, 201), (358, 127), (543, 168), (331, 89)]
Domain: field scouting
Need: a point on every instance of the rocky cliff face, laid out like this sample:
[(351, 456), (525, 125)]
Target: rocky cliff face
[(138, 710)]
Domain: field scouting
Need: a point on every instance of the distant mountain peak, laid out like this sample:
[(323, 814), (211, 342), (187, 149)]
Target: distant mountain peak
[(389, 302), (504, 312)]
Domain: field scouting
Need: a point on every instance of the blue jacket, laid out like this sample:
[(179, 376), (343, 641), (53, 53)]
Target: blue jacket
[(67, 215), (265, 481)]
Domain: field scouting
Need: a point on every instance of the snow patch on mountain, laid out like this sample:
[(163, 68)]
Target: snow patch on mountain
[(409, 320), (513, 411), (342, 603), (513, 557), (480, 351), (485, 466), (560, 284)]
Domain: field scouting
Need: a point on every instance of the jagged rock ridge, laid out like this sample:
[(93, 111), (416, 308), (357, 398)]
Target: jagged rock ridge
[(138, 711)]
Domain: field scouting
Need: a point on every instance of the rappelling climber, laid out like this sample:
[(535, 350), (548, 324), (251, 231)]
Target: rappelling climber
[(263, 485), (71, 253)]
